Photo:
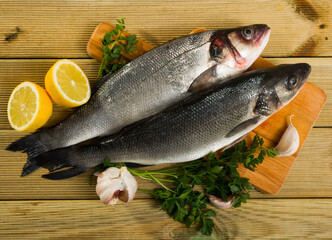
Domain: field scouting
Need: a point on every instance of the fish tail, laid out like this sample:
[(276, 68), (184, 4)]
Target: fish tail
[(57, 159), (33, 144)]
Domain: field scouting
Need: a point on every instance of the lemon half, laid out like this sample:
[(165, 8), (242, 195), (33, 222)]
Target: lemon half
[(29, 107), (67, 84)]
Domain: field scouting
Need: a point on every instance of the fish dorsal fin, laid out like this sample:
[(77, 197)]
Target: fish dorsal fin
[(205, 80), (242, 126)]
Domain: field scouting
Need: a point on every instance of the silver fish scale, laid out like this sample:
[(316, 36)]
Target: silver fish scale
[(138, 90), (186, 132)]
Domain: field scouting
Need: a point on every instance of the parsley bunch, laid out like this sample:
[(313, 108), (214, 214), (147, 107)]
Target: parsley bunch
[(114, 46), (216, 174)]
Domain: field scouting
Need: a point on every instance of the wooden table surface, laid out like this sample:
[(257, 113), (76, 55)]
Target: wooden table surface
[(34, 34)]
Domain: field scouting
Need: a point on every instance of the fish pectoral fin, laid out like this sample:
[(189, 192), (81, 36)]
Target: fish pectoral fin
[(234, 142), (136, 165), (242, 126), (68, 173), (205, 80)]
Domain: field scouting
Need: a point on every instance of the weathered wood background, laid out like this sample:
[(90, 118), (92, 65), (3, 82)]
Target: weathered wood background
[(33, 34)]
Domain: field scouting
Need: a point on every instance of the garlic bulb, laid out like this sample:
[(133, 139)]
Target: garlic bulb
[(219, 203), (289, 141), (114, 184)]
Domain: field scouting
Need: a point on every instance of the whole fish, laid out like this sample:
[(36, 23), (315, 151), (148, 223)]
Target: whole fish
[(203, 123), (151, 83)]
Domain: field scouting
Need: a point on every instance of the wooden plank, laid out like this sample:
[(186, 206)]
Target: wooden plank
[(309, 177), (13, 72), (61, 29), (141, 219)]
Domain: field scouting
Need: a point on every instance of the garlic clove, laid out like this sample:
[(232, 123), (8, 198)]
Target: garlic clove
[(219, 203), (109, 196), (289, 141), (116, 184), (130, 185), (96, 174)]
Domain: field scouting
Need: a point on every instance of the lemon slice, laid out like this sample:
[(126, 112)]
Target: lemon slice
[(67, 84), (29, 107)]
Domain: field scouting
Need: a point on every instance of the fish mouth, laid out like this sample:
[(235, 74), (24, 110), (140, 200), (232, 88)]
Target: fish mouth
[(262, 35), (303, 71)]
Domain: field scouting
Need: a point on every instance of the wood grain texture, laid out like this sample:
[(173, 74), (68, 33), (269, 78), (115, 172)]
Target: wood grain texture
[(15, 71), (309, 177), (140, 219), (61, 29)]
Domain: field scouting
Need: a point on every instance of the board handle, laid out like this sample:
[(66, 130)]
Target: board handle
[(95, 42)]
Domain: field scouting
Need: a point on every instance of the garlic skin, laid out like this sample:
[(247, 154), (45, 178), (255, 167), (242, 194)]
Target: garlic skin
[(289, 141), (219, 203), (114, 184)]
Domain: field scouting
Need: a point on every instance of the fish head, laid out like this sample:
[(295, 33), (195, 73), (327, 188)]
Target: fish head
[(294, 77), (239, 47), (279, 86)]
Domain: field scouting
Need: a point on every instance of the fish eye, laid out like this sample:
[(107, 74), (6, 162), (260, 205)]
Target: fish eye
[(248, 33), (292, 82)]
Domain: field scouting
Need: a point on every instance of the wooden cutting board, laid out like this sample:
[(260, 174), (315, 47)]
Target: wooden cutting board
[(306, 106)]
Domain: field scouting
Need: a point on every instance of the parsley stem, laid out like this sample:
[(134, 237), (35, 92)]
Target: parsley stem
[(161, 173), (149, 175), (165, 180), (145, 172), (146, 191), (160, 179), (146, 178), (162, 184), (169, 169)]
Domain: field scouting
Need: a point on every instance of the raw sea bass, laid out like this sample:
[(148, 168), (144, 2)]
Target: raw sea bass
[(203, 123), (151, 83)]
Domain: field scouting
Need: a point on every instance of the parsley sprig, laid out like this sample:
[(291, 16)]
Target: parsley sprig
[(216, 174), (115, 45)]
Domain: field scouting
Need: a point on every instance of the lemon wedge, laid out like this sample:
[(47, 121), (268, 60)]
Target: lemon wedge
[(29, 107), (67, 84)]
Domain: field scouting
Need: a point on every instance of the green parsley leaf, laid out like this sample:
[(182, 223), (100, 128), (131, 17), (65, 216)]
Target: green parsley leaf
[(114, 46), (206, 228)]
